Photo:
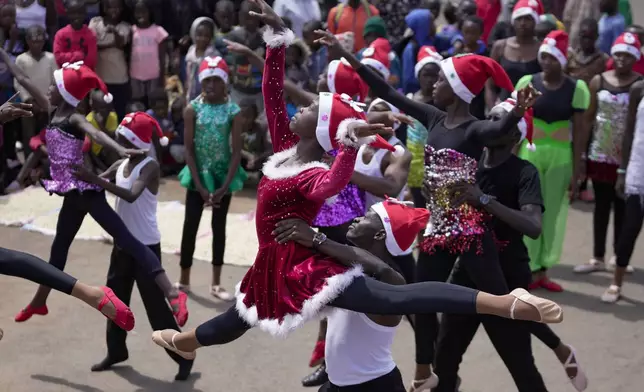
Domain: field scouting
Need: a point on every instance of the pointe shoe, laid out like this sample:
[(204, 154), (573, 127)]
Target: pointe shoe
[(180, 308), (580, 381), (124, 317), (157, 337), (26, 313), (549, 312)]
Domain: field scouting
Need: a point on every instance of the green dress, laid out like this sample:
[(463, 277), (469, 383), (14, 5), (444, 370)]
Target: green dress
[(213, 124)]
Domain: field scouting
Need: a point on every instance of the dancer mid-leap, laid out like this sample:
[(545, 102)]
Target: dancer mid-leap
[(290, 284)]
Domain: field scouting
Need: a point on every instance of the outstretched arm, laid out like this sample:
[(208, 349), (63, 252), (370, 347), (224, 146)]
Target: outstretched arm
[(298, 231), (41, 99), (149, 176), (393, 180), (99, 137)]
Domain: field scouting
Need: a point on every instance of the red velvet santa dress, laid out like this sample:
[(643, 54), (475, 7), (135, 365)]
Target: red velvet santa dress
[(290, 284)]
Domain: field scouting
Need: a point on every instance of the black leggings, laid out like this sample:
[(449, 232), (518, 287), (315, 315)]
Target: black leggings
[(633, 219), (30, 267), (364, 295), (194, 209), (606, 199), (75, 206)]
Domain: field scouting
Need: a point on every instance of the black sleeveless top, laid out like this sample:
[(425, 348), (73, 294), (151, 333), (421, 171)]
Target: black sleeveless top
[(516, 70)]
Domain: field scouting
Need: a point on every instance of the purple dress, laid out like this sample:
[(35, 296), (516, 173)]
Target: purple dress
[(65, 152), (347, 205)]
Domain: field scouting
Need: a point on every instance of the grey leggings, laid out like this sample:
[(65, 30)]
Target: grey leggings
[(364, 295)]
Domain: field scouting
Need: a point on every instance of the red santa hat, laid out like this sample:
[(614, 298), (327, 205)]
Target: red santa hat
[(75, 80), (213, 67), (533, 8), (138, 129), (341, 78), (426, 55), (402, 224), (467, 74), (377, 56), (336, 113), (627, 43), (526, 125), (556, 44)]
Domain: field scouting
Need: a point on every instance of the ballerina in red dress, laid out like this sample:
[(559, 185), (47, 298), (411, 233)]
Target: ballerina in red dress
[(290, 284)]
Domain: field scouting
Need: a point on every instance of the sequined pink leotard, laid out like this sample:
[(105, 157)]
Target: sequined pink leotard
[(289, 284)]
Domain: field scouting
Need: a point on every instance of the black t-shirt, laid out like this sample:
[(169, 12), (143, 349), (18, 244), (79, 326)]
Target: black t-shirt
[(514, 183)]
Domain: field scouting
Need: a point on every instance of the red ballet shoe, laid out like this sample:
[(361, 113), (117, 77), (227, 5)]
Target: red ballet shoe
[(124, 317), (546, 283), (317, 357), (26, 313), (534, 285), (180, 308)]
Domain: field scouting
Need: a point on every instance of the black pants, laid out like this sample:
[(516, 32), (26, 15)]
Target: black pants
[(120, 278), (194, 209), (364, 295), (630, 231), (121, 94), (26, 266), (390, 382), (484, 270), (70, 218), (510, 338), (606, 200)]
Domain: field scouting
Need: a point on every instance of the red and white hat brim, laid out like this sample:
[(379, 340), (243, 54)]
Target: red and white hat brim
[(454, 80), (132, 137), (331, 73), (325, 106), (390, 240), (523, 126), (60, 84), (213, 73), (626, 48), (525, 11), (380, 67), (422, 63), (555, 52)]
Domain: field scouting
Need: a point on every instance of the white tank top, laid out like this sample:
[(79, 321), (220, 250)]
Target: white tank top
[(635, 171), (357, 349), (34, 14), (373, 169), (140, 217)]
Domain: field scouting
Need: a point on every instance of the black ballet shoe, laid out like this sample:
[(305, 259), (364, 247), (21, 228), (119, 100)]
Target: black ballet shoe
[(108, 362), (185, 367), (317, 378)]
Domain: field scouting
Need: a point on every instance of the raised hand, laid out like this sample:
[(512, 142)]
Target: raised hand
[(236, 47), (527, 96), (326, 38), (360, 130), (267, 15), (10, 111)]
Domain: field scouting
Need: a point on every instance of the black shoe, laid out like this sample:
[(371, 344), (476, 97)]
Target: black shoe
[(185, 367), (108, 362), (317, 378)]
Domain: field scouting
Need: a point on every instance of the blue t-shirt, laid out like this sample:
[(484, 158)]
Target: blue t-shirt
[(610, 27)]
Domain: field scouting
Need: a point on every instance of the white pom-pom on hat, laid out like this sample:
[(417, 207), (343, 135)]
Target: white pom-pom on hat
[(531, 146), (108, 98), (398, 151), (164, 141)]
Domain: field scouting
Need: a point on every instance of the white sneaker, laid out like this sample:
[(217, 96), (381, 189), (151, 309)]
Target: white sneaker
[(612, 294), (593, 265), (221, 293), (424, 385), (612, 264)]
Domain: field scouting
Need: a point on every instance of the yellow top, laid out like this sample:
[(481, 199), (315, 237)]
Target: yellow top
[(111, 124)]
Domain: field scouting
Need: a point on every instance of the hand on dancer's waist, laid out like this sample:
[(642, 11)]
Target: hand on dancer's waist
[(267, 15), (84, 174), (294, 230)]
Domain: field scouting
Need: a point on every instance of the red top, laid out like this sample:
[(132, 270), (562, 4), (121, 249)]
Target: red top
[(290, 284), (489, 11), (75, 45), (638, 67)]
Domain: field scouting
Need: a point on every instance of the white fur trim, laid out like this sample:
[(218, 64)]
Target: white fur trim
[(331, 75), (554, 51), (625, 48), (345, 136), (454, 80), (281, 38), (213, 72), (390, 240), (132, 137), (275, 172), (399, 150), (523, 11), (60, 83), (164, 141), (531, 147), (380, 67), (422, 63), (377, 101), (325, 105), (311, 308), (108, 98)]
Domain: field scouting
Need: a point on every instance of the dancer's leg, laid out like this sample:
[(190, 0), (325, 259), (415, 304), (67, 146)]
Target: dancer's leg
[(70, 219), (218, 226), (604, 194), (192, 217)]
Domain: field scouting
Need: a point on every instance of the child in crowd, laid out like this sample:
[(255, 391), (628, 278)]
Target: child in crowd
[(246, 79), (159, 106), (225, 18), (450, 28), (611, 25), (176, 148), (639, 65), (105, 119), (75, 42), (9, 32), (113, 35), (147, 62), (256, 144), (174, 88), (543, 28), (202, 34), (469, 39), (376, 28), (297, 56), (40, 66), (318, 59)]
